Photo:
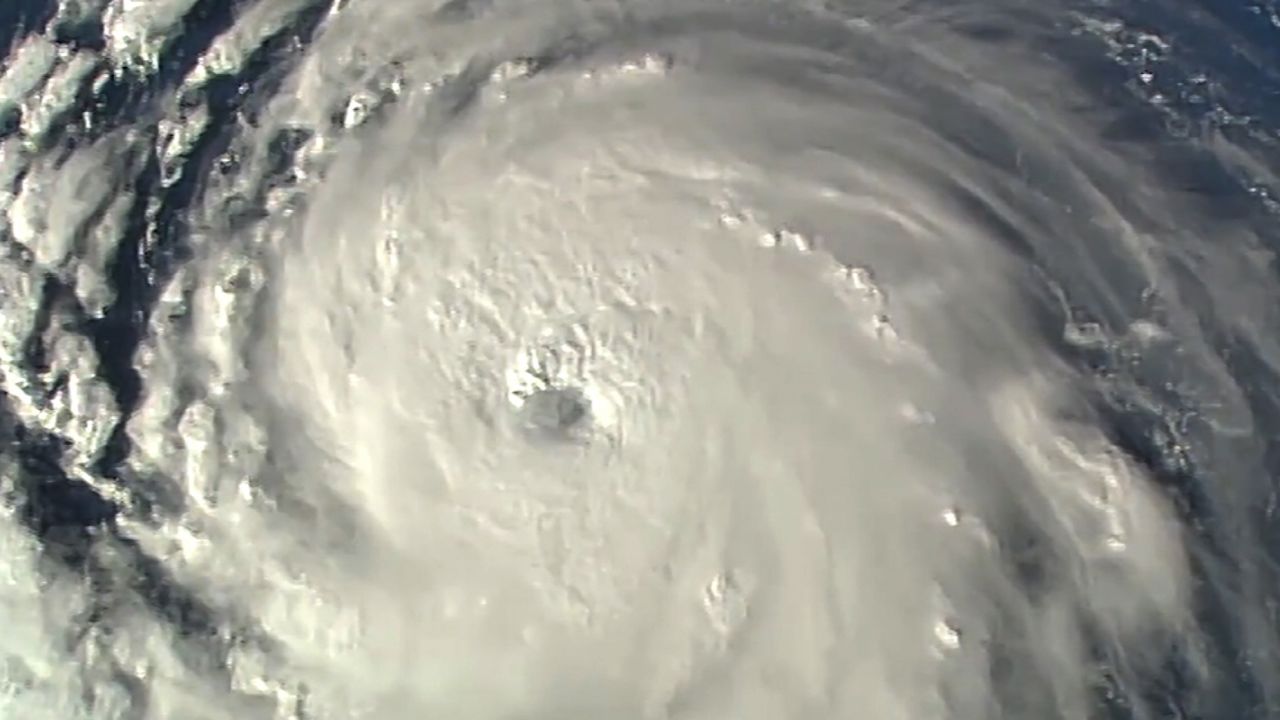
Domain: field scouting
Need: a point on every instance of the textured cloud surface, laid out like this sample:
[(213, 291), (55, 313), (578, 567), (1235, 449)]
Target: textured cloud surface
[(626, 360)]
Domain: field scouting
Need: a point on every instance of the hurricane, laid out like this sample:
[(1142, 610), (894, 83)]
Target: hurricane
[(639, 359)]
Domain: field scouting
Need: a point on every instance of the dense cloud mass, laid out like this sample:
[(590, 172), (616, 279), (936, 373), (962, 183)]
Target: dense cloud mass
[(687, 360)]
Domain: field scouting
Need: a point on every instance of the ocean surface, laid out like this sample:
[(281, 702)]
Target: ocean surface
[(639, 359)]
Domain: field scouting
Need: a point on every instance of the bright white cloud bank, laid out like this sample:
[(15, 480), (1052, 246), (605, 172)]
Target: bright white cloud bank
[(682, 360)]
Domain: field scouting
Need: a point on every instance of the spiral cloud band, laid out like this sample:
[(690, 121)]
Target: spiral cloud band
[(691, 360)]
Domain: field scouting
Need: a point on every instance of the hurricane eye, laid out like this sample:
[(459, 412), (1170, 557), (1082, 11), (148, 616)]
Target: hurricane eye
[(555, 413)]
